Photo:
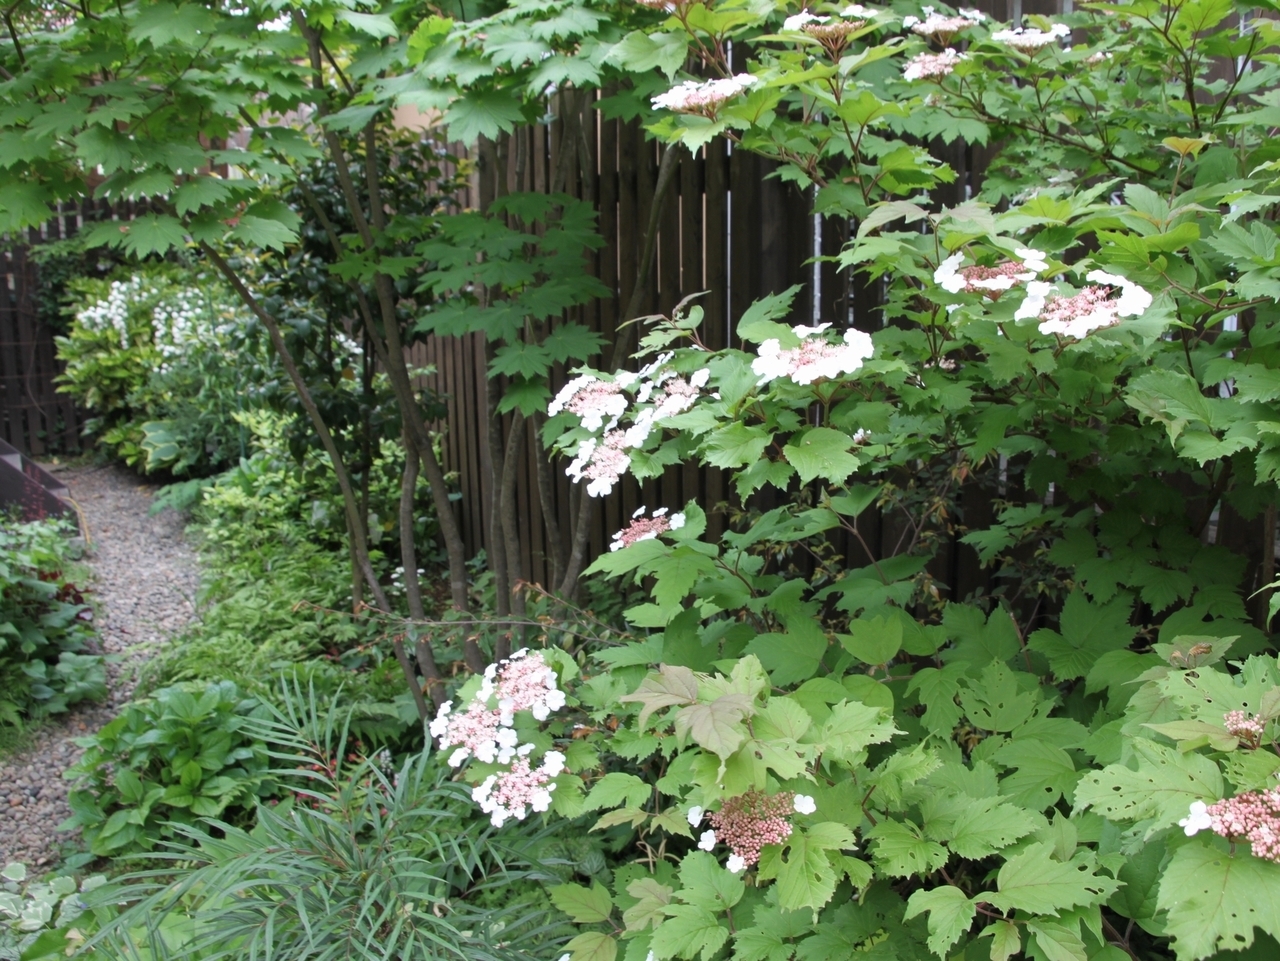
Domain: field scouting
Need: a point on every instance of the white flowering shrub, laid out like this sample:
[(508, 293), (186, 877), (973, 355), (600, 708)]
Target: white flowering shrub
[(163, 359)]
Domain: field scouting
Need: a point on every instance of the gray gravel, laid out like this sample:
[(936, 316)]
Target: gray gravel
[(144, 586)]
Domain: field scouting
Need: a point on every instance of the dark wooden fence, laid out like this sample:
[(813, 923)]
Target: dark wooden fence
[(34, 418)]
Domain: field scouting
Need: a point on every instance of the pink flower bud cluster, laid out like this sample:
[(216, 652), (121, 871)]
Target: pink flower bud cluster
[(646, 528), (1254, 817), (523, 682), (815, 359), (1248, 729), (746, 823), (704, 98), (932, 66)]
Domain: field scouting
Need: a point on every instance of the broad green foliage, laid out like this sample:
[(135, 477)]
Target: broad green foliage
[(168, 760), (45, 624), (164, 359), (1010, 771)]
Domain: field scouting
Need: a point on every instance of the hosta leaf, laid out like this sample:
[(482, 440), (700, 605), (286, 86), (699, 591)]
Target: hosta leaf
[(1213, 900), (950, 915)]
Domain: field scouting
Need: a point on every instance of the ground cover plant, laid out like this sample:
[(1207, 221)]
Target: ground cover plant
[(46, 623)]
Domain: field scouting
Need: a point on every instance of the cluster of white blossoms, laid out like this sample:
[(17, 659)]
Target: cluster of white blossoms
[(815, 359), (941, 26), (1028, 39), (112, 312), (1109, 298), (180, 317), (659, 392), (704, 97), (485, 731)]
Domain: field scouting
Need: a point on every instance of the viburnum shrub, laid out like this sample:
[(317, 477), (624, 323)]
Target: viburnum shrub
[(834, 756)]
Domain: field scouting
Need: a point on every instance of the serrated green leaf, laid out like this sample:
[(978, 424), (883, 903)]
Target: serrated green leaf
[(688, 931), (1161, 788), (1213, 900), (951, 913), (900, 849), (821, 452), (617, 788), (708, 884), (1006, 940), (583, 905), (1033, 881), (592, 946), (716, 726), (1057, 942)]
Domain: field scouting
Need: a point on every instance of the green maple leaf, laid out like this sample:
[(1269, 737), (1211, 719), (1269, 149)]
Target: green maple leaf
[(822, 452), (688, 930), (1088, 631), (1044, 773), (803, 867), (1057, 942), (1160, 789), (736, 445), (901, 849), (151, 234), (482, 113), (583, 905), (641, 52), (672, 685), (592, 946), (976, 828), (1033, 881), (951, 914), (707, 884), (617, 788), (1213, 900)]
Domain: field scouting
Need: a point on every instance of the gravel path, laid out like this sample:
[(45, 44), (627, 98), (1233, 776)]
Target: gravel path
[(144, 586)]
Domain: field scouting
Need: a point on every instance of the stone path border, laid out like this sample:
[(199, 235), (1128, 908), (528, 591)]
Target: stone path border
[(143, 587)]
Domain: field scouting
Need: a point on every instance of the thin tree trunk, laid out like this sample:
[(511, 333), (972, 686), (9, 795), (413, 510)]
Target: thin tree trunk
[(558, 555), (413, 591), (497, 533), (349, 502), (511, 528)]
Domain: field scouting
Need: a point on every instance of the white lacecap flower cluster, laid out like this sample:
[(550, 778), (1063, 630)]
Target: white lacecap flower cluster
[(816, 358), (485, 730), (704, 97), (1029, 39), (601, 405)]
